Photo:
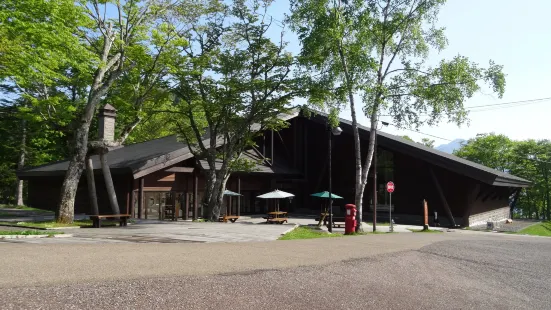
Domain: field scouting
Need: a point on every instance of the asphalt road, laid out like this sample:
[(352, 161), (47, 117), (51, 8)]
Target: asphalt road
[(400, 271)]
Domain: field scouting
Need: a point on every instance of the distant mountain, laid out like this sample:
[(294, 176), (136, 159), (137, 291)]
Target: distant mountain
[(452, 146)]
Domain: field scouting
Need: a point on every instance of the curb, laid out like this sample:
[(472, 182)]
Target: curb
[(290, 229), (41, 228), (35, 236)]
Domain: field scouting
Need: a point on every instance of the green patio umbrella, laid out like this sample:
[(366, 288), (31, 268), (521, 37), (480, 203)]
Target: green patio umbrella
[(325, 194)]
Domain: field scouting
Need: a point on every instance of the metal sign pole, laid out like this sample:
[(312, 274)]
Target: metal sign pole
[(390, 214), (390, 190)]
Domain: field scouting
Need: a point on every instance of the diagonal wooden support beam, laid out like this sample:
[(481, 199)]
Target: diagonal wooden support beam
[(284, 146), (488, 194), (263, 157), (442, 196)]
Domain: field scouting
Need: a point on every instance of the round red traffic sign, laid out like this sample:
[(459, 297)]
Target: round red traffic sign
[(390, 187)]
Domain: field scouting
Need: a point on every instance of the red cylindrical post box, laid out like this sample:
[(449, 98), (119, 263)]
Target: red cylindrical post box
[(350, 219)]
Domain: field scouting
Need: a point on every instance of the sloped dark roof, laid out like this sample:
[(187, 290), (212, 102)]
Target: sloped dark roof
[(138, 159), (434, 156), (132, 158), (279, 166), (143, 158)]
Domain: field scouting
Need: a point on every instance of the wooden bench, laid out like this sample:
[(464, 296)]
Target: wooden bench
[(278, 220), (122, 218), (231, 218)]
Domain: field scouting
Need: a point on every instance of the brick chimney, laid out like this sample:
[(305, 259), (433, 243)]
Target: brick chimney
[(107, 116)]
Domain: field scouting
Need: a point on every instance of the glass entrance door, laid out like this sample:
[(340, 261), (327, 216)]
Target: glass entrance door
[(153, 205)]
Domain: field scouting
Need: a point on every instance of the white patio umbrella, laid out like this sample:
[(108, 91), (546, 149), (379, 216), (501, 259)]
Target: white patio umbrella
[(277, 194)]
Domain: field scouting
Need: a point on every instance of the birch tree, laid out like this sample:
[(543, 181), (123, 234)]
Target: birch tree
[(378, 50)]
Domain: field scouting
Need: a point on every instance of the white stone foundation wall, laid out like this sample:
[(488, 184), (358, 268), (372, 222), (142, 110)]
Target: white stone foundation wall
[(497, 215)]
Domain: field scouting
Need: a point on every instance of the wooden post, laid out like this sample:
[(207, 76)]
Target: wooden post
[(132, 199), (186, 200), (239, 197), (91, 185), (195, 203), (128, 193), (442, 197), (177, 207), (140, 199), (426, 215)]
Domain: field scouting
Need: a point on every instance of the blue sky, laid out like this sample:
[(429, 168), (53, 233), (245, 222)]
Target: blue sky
[(513, 34)]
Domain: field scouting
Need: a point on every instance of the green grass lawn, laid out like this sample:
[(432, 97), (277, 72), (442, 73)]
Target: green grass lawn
[(303, 232), (29, 232), (424, 231), (540, 229), (53, 224)]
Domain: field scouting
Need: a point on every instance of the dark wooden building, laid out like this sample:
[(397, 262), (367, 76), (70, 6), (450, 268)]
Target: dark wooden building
[(151, 175)]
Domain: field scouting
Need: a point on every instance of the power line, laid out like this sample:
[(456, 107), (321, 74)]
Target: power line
[(417, 131), (488, 108), (509, 103), (496, 106)]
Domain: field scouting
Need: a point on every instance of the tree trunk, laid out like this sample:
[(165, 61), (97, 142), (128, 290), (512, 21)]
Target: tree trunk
[(358, 195), (104, 77), (367, 164), (217, 199), (91, 185), (217, 196), (65, 213), (21, 163), (210, 180), (109, 183)]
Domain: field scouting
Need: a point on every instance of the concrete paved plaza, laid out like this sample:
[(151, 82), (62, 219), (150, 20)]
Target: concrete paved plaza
[(150, 231), (247, 229)]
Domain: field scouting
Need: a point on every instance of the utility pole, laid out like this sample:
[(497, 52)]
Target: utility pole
[(375, 184), (331, 131), (330, 228)]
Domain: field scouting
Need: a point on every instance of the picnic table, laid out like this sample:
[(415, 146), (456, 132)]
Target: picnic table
[(274, 217), (338, 221), (226, 218)]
